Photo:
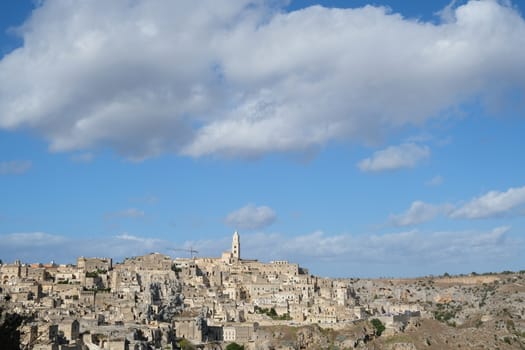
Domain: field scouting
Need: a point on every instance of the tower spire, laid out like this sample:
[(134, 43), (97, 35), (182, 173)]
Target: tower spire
[(236, 246)]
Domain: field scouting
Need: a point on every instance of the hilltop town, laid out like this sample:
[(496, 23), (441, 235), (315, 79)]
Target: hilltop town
[(157, 302)]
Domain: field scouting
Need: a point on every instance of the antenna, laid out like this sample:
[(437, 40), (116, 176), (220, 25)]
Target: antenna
[(190, 250)]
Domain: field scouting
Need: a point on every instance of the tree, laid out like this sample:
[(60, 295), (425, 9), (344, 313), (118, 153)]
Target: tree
[(234, 346), (378, 325), (186, 345), (9, 332)]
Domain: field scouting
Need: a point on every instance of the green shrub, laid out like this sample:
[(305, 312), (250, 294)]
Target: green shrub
[(185, 344), (378, 325), (234, 346)]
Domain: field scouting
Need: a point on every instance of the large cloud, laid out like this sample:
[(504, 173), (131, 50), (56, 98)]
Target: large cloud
[(240, 78)]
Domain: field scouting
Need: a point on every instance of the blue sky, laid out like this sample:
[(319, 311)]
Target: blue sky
[(356, 138)]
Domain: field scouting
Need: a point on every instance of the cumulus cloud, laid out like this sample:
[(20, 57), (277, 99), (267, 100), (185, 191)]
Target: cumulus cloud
[(419, 212), (447, 14), (406, 155), (243, 78), (15, 167), (251, 217), (491, 204)]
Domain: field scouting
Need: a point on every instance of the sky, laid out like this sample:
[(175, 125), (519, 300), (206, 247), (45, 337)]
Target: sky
[(356, 138)]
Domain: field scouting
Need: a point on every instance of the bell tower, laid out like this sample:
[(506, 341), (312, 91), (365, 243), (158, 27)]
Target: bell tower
[(236, 246)]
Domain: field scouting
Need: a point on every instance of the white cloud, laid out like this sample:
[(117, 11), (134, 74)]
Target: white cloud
[(410, 245), (435, 181), (239, 78), (124, 245), (148, 243), (448, 14), (251, 217), (491, 204), (419, 212), (31, 239), (406, 155), (15, 167), (34, 247)]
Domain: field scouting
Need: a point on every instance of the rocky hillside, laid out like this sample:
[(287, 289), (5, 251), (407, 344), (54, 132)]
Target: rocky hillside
[(467, 312)]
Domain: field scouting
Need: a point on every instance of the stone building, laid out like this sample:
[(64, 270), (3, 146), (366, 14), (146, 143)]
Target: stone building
[(192, 328), (70, 329), (10, 273), (94, 264), (239, 333)]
